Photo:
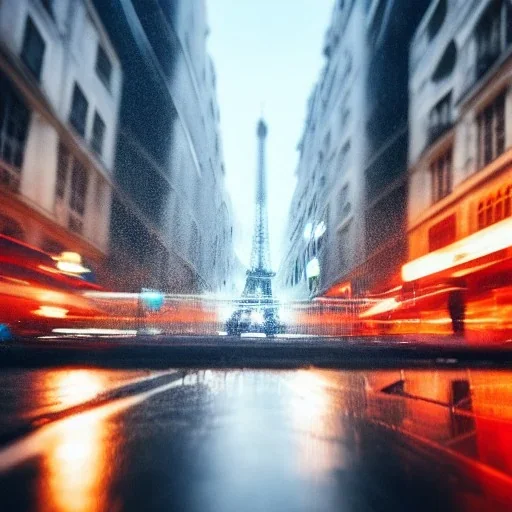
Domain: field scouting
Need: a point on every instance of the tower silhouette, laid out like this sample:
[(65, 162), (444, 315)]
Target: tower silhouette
[(258, 282)]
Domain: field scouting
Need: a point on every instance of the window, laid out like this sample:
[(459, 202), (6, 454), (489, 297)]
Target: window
[(481, 215), (507, 200), (32, 52), (498, 208), (441, 175), (491, 131), (98, 134), (442, 234), (79, 107), (103, 67), (446, 63), (440, 119), (493, 34), (78, 195), (71, 189), (63, 159), (437, 19), (489, 211), (78, 187), (14, 122), (494, 208)]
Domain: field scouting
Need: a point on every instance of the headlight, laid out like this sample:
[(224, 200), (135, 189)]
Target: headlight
[(51, 312)]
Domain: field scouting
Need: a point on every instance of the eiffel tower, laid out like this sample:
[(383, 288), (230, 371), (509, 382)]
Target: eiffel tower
[(258, 283)]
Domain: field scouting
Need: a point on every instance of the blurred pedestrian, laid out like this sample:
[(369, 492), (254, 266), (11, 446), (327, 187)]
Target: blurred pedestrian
[(457, 309)]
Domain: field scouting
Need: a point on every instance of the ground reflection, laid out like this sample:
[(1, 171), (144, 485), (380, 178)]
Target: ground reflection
[(293, 440), (319, 430), (76, 462), (75, 466), (74, 386)]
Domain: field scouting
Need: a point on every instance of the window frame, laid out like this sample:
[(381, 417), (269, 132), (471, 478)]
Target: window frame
[(71, 188), (441, 172), (494, 207), (98, 139), (104, 76), (14, 130), (32, 40), (491, 130), (74, 112)]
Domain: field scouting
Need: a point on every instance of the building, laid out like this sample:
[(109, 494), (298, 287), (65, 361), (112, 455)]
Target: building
[(460, 153), (171, 216), (347, 223), (60, 85)]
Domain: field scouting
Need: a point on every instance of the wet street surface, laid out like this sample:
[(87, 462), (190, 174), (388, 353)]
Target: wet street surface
[(257, 440)]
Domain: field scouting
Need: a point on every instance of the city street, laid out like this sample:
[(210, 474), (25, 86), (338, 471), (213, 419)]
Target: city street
[(249, 440), (256, 256)]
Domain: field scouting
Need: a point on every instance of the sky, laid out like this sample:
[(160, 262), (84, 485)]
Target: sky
[(268, 56)]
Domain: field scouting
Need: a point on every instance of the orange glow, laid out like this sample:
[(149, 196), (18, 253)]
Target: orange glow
[(76, 465), (75, 386), (383, 306), (51, 312), (487, 241), (77, 459), (345, 289)]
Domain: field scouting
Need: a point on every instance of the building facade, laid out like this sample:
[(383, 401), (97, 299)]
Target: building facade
[(171, 217), (460, 155), (60, 90), (347, 223)]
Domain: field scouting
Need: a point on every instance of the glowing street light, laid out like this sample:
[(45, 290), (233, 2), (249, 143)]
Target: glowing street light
[(71, 262)]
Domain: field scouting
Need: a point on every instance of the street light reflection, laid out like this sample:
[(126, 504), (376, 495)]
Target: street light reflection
[(76, 459), (76, 464), (72, 387), (319, 450)]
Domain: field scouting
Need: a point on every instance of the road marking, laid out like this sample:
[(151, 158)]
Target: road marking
[(35, 443)]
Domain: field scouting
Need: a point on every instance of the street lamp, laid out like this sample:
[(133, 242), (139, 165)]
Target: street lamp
[(308, 230)]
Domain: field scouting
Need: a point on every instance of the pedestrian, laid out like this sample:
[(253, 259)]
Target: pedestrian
[(457, 309)]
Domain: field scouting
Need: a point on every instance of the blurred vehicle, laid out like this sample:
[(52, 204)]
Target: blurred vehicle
[(37, 297)]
